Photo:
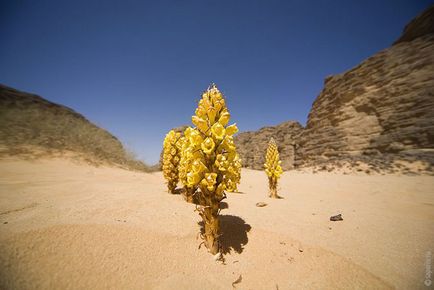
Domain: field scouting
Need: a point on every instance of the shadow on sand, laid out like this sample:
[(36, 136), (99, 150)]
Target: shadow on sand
[(233, 233)]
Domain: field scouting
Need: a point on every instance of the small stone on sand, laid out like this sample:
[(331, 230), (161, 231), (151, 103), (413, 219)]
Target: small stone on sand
[(336, 218)]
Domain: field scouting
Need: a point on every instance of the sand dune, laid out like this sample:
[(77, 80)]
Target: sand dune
[(66, 225)]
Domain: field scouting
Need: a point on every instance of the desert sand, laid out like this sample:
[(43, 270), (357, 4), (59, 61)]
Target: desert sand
[(68, 225)]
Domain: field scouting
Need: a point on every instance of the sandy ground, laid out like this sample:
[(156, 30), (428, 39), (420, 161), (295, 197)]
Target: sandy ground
[(65, 225)]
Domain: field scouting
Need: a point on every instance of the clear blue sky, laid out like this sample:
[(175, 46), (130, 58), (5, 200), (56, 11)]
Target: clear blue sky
[(137, 68)]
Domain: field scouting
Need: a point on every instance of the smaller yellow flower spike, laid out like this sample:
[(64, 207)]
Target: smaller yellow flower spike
[(171, 158), (272, 167)]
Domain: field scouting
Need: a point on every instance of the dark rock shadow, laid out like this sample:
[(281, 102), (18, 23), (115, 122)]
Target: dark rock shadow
[(233, 230)]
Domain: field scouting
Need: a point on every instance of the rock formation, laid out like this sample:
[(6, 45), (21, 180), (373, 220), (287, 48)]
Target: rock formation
[(421, 25), (253, 145), (382, 111)]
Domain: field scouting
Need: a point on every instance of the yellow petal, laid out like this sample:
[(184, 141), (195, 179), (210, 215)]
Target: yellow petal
[(195, 138), (218, 131), (200, 123), (211, 112), (232, 129), (208, 145), (224, 118)]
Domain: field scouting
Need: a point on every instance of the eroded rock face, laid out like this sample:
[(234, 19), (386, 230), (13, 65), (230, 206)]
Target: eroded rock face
[(419, 26), (252, 145), (380, 112)]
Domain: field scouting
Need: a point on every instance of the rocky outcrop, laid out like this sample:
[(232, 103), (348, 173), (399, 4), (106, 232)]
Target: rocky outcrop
[(253, 145), (422, 25), (380, 112)]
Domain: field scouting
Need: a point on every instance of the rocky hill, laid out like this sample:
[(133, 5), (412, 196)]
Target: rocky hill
[(253, 145), (382, 111), (421, 25), (32, 126)]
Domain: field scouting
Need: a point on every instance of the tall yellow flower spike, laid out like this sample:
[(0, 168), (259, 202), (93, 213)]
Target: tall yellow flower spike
[(272, 167), (171, 158), (209, 162)]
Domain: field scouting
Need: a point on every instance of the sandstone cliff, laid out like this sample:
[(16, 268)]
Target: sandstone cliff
[(381, 112)]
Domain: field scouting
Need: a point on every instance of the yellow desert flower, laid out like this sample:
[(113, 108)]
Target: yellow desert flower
[(193, 178), (272, 167), (200, 111), (221, 162), (198, 166), (209, 181), (211, 112), (231, 185), (218, 131), (171, 158), (204, 96), (208, 151), (200, 123), (205, 102), (232, 129), (220, 189), (228, 144), (187, 132), (219, 104), (208, 145), (224, 118), (195, 138), (232, 170)]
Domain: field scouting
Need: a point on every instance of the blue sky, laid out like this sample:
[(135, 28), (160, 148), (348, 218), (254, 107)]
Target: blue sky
[(137, 68)]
